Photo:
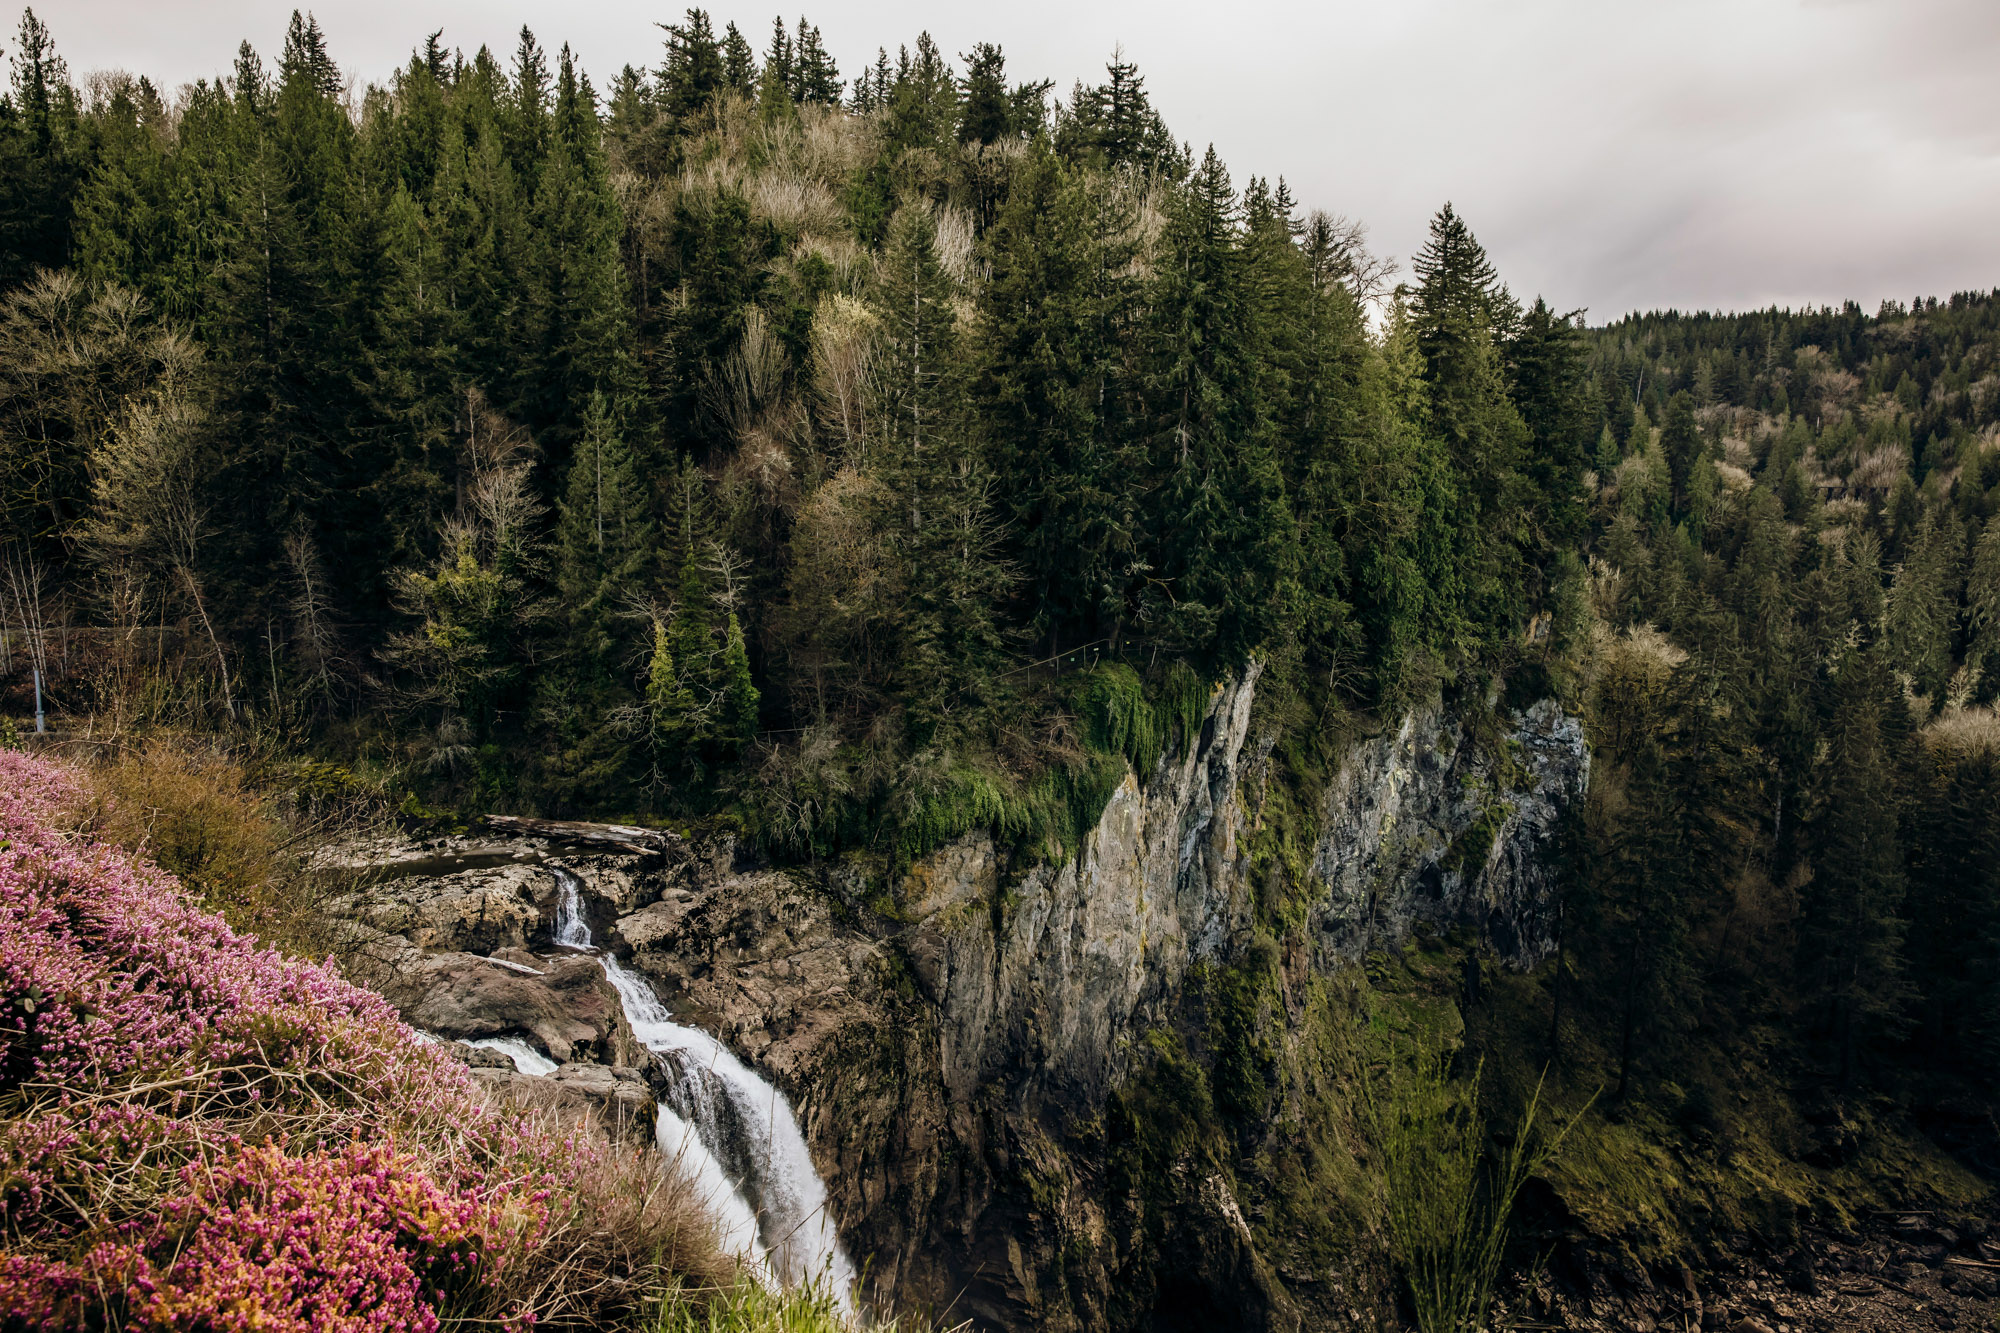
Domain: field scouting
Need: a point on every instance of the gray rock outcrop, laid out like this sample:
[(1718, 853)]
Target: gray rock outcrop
[(953, 1041)]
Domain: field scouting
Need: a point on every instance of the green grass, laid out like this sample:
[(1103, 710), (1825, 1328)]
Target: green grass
[(750, 1308)]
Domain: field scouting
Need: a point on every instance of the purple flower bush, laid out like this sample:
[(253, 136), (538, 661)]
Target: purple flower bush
[(198, 1133)]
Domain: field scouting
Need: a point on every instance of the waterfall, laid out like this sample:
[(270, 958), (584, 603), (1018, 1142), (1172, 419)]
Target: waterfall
[(735, 1224), (572, 931), (525, 1057), (737, 1120)]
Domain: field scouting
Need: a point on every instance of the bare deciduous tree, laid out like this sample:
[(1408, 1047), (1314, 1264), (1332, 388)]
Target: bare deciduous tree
[(843, 349), (150, 496), (1338, 248), (70, 359)]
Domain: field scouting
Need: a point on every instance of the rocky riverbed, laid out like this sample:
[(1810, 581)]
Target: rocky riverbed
[(1898, 1273)]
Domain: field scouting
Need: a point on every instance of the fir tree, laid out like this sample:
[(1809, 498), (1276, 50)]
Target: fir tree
[(1053, 389), (603, 532), (739, 63), (937, 520), (815, 78), (1549, 381), (576, 330), (1923, 603), (1850, 923), (524, 114), (39, 170), (670, 706), (694, 72), (984, 109), (774, 86), (1222, 542), (1983, 609), (737, 726), (1680, 442), (1458, 313)]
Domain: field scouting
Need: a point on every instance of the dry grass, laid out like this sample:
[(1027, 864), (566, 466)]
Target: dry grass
[(246, 854), (624, 1242)]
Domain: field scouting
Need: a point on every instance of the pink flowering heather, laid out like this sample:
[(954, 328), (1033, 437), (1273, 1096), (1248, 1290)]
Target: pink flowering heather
[(199, 1133)]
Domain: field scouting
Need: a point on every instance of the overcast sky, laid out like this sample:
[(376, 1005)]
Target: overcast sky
[(1613, 154)]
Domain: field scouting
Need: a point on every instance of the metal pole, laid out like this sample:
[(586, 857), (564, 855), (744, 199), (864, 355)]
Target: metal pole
[(40, 725)]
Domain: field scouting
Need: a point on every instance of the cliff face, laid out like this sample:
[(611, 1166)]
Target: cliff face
[(1426, 825), (959, 1046), (954, 1052)]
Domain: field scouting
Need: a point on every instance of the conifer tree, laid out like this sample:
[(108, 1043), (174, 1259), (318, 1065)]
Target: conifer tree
[(923, 101), (1850, 922), (815, 77), (1923, 603), (575, 332), (695, 70), (1549, 381), (604, 532), (1053, 388), (1222, 542), (1680, 443), (1458, 312), (39, 167), (739, 62), (737, 726), (775, 84), (937, 520), (1953, 940), (1410, 542), (984, 108), (693, 633), (524, 113), (670, 706), (1115, 124), (1344, 456), (1982, 610)]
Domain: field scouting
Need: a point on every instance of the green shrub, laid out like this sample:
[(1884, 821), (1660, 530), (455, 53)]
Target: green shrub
[(1447, 1197)]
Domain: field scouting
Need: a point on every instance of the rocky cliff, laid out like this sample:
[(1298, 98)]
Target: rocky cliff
[(992, 1059)]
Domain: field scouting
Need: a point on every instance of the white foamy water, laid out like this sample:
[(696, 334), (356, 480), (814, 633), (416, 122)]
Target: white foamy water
[(735, 1224), (525, 1057), (743, 1124), (572, 931)]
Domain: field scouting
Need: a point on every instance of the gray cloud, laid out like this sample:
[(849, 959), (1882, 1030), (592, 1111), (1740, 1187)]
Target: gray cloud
[(1611, 154)]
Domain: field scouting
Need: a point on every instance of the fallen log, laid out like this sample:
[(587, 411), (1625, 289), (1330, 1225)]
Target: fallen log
[(625, 837)]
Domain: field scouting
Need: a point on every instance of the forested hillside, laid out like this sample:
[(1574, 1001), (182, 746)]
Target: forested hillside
[(857, 458), (739, 436), (1799, 510)]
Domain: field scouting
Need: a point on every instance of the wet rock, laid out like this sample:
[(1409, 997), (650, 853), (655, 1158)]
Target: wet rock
[(471, 911), (612, 1087), (569, 1011), (478, 1057)]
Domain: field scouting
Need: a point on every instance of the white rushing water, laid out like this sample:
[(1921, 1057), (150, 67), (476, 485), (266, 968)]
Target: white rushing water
[(525, 1057), (736, 1120), (735, 1224)]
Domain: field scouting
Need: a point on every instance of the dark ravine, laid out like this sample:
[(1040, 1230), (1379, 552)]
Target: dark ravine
[(953, 1045)]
